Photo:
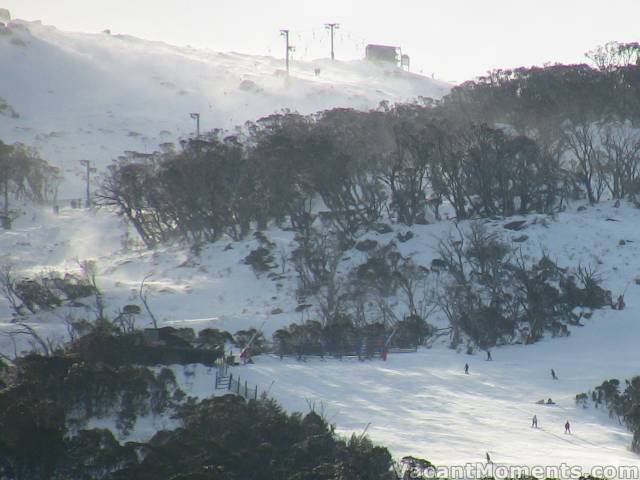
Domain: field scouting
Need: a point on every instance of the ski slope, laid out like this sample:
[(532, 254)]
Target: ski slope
[(93, 96), (420, 404), (424, 405)]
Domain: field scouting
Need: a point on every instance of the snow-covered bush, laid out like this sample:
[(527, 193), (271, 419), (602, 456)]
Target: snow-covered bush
[(492, 294)]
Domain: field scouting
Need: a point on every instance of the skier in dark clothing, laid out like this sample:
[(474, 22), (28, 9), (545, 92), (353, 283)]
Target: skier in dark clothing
[(466, 368), (534, 422), (489, 356), (553, 374), (488, 458), (567, 427)]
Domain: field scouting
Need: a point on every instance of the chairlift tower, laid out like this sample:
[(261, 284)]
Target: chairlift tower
[(288, 48), (196, 117), (90, 170), (332, 27)]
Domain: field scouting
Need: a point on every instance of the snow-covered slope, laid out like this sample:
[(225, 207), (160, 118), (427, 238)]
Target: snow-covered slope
[(419, 403), (424, 405), (95, 95), (92, 96)]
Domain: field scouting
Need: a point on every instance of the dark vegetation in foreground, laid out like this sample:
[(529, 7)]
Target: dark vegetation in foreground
[(623, 405), (46, 401)]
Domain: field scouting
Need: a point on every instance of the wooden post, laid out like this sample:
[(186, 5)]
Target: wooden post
[(230, 381), (246, 390), (255, 396)]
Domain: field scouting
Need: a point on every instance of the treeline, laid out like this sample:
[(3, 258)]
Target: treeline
[(585, 117), (542, 99), (357, 167), (24, 175), (344, 337), (624, 405), (515, 141)]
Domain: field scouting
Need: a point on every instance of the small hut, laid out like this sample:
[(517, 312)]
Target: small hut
[(5, 15), (383, 53)]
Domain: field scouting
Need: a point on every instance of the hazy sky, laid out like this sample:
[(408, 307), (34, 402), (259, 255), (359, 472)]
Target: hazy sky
[(456, 40)]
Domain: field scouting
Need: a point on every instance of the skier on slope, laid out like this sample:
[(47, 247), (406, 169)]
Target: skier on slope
[(567, 427), (488, 459), (553, 374), (534, 422), (245, 355), (489, 356), (466, 368), (621, 304)]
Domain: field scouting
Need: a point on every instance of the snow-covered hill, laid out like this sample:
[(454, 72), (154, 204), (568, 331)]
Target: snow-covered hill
[(92, 96), (417, 403), (78, 96)]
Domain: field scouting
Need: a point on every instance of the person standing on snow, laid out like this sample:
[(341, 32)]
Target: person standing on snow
[(553, 374), (466, 368), (567, 427), (488, 458), (534, 422), (489, 356), (245, 355)]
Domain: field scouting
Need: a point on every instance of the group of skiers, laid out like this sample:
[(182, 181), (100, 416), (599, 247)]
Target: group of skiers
[(534, 420), (466, 365), (534, 424)]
